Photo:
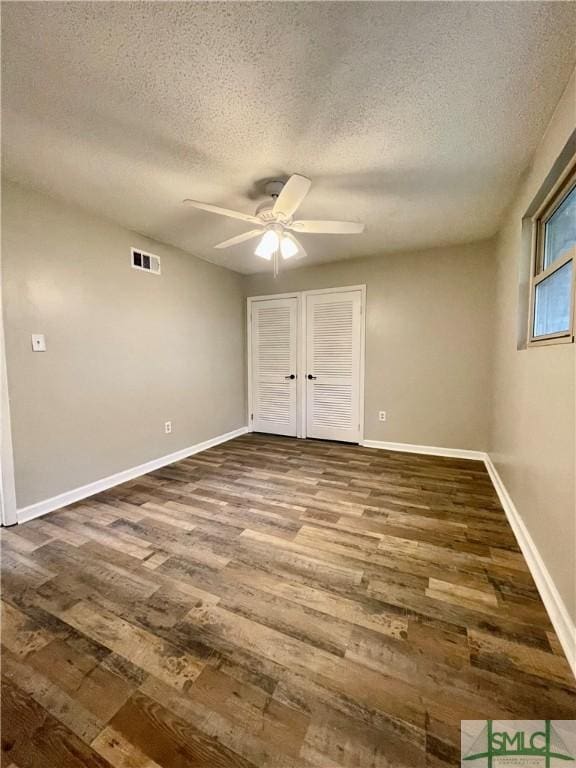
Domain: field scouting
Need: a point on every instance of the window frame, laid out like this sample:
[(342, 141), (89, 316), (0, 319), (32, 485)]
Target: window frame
[(564, 186)]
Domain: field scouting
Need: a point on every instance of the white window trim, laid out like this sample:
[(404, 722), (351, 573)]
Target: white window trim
[(564, 185)]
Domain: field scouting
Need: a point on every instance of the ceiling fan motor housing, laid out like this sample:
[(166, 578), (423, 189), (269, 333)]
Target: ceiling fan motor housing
[(264, 210)]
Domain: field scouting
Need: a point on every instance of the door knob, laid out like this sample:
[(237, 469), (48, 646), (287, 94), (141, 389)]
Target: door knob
[(292, 376), (312, 377)]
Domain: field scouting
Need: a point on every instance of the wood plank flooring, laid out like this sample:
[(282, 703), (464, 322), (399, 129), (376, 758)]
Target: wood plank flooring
[(276, 603)]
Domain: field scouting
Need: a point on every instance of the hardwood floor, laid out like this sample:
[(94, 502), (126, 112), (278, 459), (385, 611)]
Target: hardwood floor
[(273, 602)]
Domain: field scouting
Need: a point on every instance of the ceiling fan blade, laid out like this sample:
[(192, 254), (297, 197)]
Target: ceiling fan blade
[(328, 227), (293, 192), (239, 238), (223, 211)]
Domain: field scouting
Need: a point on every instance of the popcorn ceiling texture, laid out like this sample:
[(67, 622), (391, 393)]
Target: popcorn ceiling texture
[(417, 118)]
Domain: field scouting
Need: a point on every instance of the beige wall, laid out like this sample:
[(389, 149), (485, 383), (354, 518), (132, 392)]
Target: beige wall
[(533, 425), (127, 350), (428, 336)]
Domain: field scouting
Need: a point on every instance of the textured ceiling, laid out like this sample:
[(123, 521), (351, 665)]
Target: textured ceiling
[(414, 117)]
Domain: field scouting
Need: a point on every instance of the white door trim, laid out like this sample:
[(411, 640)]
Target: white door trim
[(250, 301), (8, 514), (301, 373), (342, 289)]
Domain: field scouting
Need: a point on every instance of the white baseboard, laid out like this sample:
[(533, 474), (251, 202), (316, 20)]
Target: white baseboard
[(429, 450), (77, 494), (557, 611)]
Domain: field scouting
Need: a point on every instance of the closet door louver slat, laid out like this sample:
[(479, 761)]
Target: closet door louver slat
[(333, 339), (274, 358)]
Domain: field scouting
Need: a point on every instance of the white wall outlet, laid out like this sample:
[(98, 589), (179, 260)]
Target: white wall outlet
[(38, 342), (167, 427), (382, 415)]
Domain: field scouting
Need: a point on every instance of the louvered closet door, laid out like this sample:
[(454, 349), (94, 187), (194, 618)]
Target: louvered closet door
[(333, 338), (274, 365)]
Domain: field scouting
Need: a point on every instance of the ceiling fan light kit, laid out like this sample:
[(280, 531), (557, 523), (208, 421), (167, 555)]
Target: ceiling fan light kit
[(288, 247), (267, 245), (274, 219), (276, 238)]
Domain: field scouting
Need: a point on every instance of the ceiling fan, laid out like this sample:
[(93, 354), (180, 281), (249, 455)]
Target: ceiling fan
[(275, 223)]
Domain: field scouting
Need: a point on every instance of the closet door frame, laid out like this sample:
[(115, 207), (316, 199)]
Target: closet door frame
[(301, 372)]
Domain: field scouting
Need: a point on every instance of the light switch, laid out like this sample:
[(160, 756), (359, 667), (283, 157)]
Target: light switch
[(38, 342)]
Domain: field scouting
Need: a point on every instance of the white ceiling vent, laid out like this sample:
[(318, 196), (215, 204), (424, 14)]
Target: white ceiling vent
[(147, 262)]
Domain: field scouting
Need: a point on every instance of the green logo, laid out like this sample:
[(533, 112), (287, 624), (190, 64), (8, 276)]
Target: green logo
[(543, 742)]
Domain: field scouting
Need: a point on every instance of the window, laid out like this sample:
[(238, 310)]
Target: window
[(552, 285)]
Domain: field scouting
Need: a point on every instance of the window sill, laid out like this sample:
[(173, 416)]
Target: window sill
[(545, 342)]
